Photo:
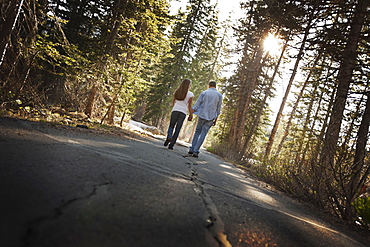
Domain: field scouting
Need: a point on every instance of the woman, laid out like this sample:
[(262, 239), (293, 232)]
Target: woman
[(182, 101)]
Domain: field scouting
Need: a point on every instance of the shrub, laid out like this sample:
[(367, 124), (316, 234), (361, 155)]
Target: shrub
[(362, 206)]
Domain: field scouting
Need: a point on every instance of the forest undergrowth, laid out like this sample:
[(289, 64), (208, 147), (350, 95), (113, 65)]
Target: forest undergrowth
[(299, 182)]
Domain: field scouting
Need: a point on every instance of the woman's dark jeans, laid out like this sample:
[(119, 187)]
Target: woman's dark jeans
[(177, 119)]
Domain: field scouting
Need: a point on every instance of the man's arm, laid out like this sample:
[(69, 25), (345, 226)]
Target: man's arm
[(199, 102), (219, 104), (218, 109)]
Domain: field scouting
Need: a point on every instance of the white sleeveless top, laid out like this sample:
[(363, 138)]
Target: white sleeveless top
[(182, 105)]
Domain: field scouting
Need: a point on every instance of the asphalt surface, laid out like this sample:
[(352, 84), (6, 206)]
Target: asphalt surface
[(65, 186)]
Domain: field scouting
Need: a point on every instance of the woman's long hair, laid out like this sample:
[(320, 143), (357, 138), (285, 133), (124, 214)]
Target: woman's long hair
[(182, 90)]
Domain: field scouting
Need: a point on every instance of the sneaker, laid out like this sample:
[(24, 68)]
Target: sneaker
[(190, 152), (170, 147), (167, 141), (195, 155)]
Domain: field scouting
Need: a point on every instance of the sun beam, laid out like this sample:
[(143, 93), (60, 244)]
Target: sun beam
[(272, 44)]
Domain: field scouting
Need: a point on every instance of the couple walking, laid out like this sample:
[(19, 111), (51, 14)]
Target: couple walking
[(207, 107)]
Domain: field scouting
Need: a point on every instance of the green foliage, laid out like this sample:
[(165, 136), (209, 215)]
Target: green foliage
[(193, 55), (362, 207), (56, 58)]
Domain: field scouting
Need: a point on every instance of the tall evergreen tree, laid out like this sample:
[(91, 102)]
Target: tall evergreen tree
[(135, 40), (192, 51)]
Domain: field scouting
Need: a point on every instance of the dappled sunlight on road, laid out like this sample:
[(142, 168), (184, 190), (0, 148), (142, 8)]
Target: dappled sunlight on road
[(225, 166), (97, 143), (239, 176), (181, 180), (247, 187), (83, 141), (262, 197), (312, 222)]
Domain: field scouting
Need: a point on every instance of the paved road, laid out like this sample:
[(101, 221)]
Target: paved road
[(62, 186)]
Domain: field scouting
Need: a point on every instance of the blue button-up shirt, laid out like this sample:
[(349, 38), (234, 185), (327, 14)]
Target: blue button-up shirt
[(208, 105)]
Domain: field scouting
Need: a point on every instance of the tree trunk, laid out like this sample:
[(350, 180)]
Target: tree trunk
[(257, 119), (90, 100), (280, 112), (8, 26), (358, 163), (295, 107), (309, 130), (109, 111), (218, 54), (138, 116), (249, 81), (108, 50), (110, 118), (352, 125), (344, 79), (320, 139), (308, 120)]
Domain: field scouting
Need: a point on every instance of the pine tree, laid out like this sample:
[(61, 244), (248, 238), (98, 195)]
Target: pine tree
[(192, 53)]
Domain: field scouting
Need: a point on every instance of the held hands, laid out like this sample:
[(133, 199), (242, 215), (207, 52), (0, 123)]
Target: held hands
[(191, 111)]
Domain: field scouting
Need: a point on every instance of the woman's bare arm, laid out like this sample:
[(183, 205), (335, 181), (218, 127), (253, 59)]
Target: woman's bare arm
[(190, 103)]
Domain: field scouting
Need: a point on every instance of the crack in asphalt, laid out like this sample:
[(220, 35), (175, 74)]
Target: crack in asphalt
[(216, 228), (210, 221), (214, 224), (32, 225)]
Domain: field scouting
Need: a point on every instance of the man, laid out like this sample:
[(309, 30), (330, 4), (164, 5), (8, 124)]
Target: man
[(207, 107)]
